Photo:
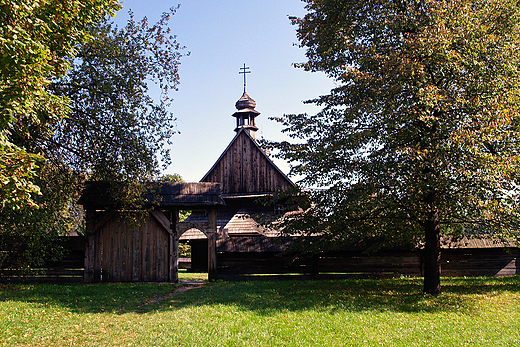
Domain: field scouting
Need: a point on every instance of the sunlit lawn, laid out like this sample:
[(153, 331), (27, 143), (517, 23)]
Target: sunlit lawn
[(472, 311)]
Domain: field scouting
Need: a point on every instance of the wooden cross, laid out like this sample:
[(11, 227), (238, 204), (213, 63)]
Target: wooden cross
[(244, 72)]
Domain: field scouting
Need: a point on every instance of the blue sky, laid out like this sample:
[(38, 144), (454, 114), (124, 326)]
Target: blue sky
[(221, 36)]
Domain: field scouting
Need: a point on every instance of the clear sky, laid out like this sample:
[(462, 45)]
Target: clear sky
[(222, 35)]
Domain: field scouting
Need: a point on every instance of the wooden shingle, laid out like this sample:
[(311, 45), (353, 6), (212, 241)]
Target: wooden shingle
[(166, 195)]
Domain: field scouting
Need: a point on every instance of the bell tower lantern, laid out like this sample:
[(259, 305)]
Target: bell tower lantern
[(246, 112)]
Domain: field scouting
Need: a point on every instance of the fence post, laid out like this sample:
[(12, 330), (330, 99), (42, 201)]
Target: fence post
[(315, 266)]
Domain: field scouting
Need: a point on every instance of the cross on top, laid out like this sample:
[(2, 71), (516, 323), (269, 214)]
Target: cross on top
[(244, 72)]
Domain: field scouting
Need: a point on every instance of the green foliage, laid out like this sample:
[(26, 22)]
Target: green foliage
[(421, 134), (113, 132), (17, 170), (115, 129), (184, 249), (28, 235), (171, 178), (36, 40)]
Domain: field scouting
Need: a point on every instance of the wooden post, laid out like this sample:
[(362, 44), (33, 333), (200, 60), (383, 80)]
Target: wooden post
[(174, 248), (315, 267), (212, 245), (88, 272)]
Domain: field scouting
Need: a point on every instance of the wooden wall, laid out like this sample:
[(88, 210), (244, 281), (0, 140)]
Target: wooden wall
[(243, 168), (125, 252), (239, 258)]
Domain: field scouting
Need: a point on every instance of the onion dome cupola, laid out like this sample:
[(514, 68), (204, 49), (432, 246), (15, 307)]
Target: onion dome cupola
[(246, 112)]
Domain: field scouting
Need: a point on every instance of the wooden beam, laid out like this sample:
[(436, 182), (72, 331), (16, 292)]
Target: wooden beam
[(161, 218), (174, 247), (211, 233), (89, 261)]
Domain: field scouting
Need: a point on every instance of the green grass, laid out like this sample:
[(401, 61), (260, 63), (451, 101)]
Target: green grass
[(192, 276), (394, 312)]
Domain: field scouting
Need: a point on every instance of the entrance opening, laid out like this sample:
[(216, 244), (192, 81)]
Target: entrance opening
[(193, 243)]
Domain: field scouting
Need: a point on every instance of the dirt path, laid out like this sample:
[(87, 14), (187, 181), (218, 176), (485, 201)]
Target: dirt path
[(184, 287)]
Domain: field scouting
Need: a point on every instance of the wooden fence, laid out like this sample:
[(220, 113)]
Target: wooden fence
[(68, 269), (237, 260), (250, 265), (480, 261)]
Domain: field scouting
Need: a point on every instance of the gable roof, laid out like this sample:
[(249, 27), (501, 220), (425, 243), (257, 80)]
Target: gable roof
[(244, 169)]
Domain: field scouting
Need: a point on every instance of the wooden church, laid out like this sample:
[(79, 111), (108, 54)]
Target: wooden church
[(225, 208), (246, 174)]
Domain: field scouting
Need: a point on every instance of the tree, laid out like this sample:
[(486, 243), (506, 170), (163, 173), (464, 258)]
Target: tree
[(113, 132), (36, 40), (171, 178), (29, 235), (420, 138), (115, 129)]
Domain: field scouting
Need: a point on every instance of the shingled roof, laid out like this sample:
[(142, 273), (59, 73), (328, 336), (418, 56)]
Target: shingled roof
[(167, 195), (229, 223)]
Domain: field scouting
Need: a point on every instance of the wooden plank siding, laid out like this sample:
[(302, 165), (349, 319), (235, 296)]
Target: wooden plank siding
[(480, 262), (237, 266), (246, 257), (244, 168), (126, 252)]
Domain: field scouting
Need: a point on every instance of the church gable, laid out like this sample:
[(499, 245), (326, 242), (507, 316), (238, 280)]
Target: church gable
[(244, 169)]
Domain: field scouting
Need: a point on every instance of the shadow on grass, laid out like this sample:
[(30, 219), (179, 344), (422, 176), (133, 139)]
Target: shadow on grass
[(115, 298), (397, 295), (266, 297)]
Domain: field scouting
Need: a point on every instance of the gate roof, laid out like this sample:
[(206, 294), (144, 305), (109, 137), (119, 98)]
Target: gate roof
[(165, 195)]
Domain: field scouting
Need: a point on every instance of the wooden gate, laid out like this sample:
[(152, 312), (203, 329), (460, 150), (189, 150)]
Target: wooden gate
[(120, 251)]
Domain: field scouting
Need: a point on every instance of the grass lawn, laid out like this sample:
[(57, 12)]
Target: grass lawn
[(470, 312)]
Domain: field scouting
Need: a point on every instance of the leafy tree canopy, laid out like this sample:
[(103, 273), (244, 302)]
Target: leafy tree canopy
[(114, 131), (421, 135), (28, 235), (171, 178), (36, 40)]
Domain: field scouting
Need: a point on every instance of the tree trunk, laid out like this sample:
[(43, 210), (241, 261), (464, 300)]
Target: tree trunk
[(432, 255)]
